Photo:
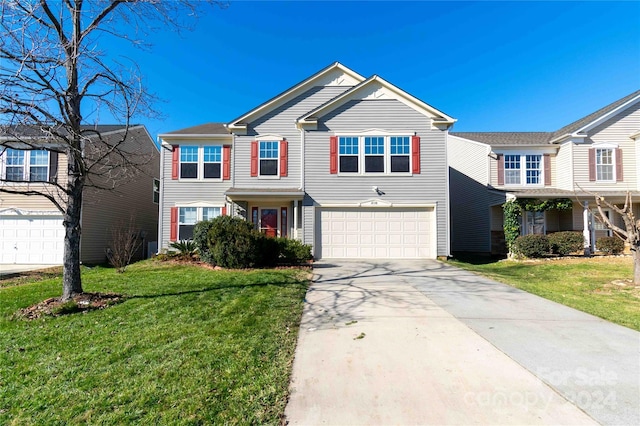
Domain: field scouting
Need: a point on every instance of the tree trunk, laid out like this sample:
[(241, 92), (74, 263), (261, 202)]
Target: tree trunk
[(72, 281), (636, 265)]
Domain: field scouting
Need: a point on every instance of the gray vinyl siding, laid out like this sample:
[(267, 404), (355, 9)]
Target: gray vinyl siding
[(615, 130), (469, 195), (282, 122), (175, 192), (429, 187)]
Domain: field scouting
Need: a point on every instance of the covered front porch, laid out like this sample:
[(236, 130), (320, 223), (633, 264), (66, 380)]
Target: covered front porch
[(579, 214), (274, 212)]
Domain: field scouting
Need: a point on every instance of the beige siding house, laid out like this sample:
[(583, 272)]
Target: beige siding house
[(31, 228), (596, 154)]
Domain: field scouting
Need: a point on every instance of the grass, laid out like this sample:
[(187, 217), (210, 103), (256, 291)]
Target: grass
[(600, 285), (188, 346)]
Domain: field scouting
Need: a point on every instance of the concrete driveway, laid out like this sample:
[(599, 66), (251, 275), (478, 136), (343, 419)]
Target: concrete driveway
[(421, 342), (14, 268)]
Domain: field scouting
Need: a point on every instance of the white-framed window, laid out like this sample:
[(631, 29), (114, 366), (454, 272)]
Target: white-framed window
[(512, 169), (156, 191), (268, 158), (26, 165), (605, 165), (523, 169), (200, 162), (374, 154), (189, 216)]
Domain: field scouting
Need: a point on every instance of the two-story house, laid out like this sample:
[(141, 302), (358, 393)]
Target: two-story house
[(31, 230), (598, 153), (353, 166)]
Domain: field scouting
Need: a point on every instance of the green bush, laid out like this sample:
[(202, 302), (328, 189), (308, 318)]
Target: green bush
[(234, 243), (532, 246), (566, 242), (201, 240), (293, 252), (610, 245)]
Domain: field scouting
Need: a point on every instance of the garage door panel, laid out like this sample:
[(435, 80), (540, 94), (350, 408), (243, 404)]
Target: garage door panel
[(31, 239), (375, 233)]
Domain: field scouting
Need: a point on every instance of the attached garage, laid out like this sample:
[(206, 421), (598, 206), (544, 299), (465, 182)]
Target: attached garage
[(31, 239), (376, 233)]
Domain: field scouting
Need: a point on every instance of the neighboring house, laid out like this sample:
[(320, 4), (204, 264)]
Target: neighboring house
[(353, 166), (31, 228), (596, 154)]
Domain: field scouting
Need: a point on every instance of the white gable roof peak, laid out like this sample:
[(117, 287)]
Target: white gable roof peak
[(376, 87), (335, 74)]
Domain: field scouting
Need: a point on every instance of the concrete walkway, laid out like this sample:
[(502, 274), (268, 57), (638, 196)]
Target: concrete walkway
[(14, 268), (424, 343)]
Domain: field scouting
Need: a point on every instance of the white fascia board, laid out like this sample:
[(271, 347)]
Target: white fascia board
[(367, 204), (240, 122), (608, 115), (635, 136), (194, 137), (526, 149)]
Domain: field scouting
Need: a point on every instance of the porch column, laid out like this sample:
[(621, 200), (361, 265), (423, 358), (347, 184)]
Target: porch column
[(586, 232), (295, 219)]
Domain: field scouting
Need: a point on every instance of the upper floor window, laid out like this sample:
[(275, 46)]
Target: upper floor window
[(269, 158), (523, 169), (200, 162), (348, 147), (374, 154), (604, 164), (26, 165)]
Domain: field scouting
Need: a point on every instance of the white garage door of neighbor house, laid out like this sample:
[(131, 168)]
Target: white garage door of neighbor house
[(376, 233), (31, 239)]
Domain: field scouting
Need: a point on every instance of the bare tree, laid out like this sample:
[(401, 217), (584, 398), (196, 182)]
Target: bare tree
[(126, 241), (631, 233), (54, 73)]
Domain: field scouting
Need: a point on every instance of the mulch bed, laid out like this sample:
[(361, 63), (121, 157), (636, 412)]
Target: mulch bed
[(83, 302)]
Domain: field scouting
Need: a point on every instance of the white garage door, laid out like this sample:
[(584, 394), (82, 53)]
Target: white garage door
[(375, 233), (31, 239)]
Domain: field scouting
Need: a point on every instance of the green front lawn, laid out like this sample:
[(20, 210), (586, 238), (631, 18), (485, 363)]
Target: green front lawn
[(600, 285), (188, 346)]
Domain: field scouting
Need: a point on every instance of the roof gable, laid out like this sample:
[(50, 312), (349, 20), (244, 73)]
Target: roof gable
[(372, 88), (335, 74), (590, 121)]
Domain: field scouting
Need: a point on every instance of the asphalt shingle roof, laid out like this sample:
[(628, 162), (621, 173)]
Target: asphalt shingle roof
[(202, 129)]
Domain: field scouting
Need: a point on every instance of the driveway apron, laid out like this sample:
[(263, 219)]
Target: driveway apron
[(377, 347)]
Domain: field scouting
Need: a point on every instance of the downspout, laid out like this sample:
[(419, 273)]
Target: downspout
[(448, 200), (161, 198), (302, 188)]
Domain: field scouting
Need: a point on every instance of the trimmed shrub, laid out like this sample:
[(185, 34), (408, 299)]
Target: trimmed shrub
[(532, 246), (293, 252), (610, 245), (234, 243), (201, 239), (566, 242)]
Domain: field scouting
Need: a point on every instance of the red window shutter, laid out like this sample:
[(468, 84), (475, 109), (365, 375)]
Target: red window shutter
[(224, 211), (254, 158), (283, 158), (592, 164), (547, 169), (175, 162), (226, 162), (415, 154), (333, 155), (619, 175), (173, 233), (500, 169)]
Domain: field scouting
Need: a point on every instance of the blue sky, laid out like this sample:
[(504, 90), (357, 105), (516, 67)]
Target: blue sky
[(495, 66)]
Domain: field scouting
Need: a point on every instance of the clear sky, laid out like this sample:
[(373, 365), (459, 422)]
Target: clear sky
[(495, 66)]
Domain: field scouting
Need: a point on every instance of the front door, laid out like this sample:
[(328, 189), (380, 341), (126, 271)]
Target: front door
[(269, 222)]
